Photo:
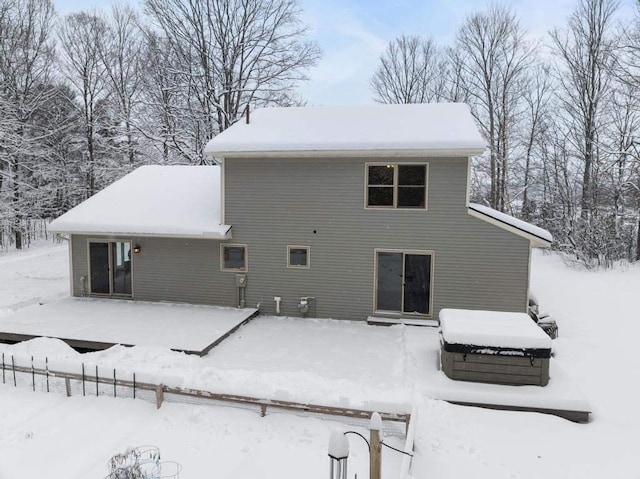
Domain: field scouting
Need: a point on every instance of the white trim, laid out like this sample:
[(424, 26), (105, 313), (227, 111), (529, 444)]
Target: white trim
[(468, 181), (458, 152), (526, 306), (535, 240), (246, 258), (222, 193), (70, 241), (430, 253), (111, 234), (295, 246)]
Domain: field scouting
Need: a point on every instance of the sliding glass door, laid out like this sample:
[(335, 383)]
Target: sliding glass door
[(110, 267), (403, 282)]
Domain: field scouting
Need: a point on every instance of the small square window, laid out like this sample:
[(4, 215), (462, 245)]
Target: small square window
[(297, 256), (233, 257)]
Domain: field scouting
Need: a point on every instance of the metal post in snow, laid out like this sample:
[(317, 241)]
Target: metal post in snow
[(134, 385), (83, 388), (3, 378), (33, 376), (97, 380), (13, 366), (114, 382), (46, 368)]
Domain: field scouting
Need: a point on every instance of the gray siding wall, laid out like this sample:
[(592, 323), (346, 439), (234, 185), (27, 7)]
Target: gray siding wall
[(272, 203), (168, 269), (319, 203)]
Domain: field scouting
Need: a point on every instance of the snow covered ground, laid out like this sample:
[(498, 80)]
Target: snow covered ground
[(341, 363)]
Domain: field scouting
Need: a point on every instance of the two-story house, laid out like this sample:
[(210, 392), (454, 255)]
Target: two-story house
[(349, 213)]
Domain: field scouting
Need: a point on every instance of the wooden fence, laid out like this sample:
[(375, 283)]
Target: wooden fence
[(90, 379)]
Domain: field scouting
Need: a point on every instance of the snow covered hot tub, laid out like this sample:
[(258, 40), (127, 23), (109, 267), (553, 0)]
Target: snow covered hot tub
[(493, 347)]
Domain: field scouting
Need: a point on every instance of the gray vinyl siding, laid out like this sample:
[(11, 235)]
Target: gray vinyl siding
[(168, 269), (272, 203)]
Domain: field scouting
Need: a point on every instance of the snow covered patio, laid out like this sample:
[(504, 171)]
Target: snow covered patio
[(96, 324)]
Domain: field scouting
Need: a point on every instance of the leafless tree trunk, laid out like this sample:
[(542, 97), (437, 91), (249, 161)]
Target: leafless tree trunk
[(121, 52), (586, 53), (493, 57), (536, 96), (81, 36)]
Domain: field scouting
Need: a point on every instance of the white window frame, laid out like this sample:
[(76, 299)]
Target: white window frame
[(395, 185), (295, 266), (246, 258)]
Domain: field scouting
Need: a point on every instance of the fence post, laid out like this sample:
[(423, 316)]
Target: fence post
[(159, 395), (375, 456), (13, 367), (67, 385), (33, 376)]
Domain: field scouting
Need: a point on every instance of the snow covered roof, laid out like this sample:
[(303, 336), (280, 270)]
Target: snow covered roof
[(539, 236), (181, 201), (492, 329), (440, 128)]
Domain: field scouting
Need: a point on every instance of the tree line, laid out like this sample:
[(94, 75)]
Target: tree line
[(87, 97), (90, 96), (561, 118)]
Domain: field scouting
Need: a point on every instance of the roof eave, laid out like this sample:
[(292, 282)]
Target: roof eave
[(536, 241), (392, 153), (204, 235)]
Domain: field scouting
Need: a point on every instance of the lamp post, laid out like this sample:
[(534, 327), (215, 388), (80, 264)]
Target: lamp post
[(338, 455)]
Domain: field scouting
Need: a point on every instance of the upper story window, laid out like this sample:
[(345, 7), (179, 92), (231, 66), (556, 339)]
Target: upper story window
[(395, 185)]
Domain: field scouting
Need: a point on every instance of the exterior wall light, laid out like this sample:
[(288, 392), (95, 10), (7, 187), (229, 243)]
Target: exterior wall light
[(137, 248)]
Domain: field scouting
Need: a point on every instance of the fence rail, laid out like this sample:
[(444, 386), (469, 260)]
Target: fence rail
[(90, 379), (91, 376)]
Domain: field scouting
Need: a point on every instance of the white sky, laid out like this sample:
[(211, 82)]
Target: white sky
[(354, 33)]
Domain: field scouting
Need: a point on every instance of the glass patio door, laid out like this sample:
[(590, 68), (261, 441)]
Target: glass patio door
[(110, 267), (403, 282)]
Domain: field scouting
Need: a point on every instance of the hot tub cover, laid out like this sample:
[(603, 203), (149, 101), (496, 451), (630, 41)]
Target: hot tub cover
[(492, 329)]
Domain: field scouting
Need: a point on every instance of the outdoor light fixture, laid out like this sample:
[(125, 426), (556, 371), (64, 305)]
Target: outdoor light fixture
[(338, 454), (137, 248)]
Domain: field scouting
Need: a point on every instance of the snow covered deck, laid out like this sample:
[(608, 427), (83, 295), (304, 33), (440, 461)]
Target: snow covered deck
[(97, 324)]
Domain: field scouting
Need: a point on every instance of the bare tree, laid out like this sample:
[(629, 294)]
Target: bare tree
[(586, 52), (233, 53), (493, 57), (81, 35), (537, 96), (121, 53), (409, 72)]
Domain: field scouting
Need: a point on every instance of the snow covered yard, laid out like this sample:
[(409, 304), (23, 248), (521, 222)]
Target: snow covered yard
[(352, 364), (49, 435), (36, 274)]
